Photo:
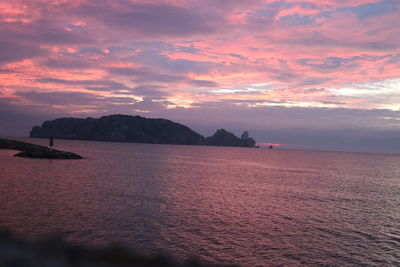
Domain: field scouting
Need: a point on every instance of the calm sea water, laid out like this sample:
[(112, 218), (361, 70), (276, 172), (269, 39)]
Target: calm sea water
[(226, 205)]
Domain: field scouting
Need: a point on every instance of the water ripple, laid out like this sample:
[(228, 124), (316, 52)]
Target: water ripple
[(253, 207)]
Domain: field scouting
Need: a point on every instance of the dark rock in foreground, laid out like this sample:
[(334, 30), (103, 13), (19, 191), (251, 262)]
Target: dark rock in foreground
[(35, 151), (134, 129), (56, 253)]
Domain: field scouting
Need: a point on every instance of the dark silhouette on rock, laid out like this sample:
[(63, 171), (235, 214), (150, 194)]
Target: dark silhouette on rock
[(35, 151), (51, 142), (133, 129)]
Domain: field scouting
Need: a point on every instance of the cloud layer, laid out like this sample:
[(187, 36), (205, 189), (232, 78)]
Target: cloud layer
[(177, 57)]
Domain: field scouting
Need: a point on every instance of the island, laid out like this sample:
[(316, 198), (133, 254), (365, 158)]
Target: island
[(35, 151), (135, 129)]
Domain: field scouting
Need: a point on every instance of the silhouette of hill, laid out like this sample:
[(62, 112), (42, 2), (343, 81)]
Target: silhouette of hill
[(134, 129)]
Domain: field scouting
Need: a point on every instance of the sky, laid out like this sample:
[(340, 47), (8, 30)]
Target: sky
[(312, 74)]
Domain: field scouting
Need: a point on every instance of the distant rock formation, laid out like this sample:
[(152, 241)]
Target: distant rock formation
[(134, 129), (35, 151), (225, 138)]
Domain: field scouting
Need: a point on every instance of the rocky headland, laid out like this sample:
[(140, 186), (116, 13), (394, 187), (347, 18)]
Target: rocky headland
[(135, 129), (35, 151)]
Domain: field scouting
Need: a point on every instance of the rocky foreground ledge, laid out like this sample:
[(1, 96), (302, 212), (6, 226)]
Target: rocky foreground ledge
[(35, 151), (57, 253)]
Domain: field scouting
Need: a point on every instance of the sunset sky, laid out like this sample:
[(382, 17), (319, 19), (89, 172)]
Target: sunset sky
[(316, 74)]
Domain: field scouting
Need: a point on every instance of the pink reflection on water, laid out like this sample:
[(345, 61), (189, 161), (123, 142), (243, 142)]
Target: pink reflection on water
[(246, 206)]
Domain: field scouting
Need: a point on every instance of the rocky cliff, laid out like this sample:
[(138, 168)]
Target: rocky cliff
[(134, 129)]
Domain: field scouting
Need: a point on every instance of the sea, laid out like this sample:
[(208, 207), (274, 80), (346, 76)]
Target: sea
[(225, 205)]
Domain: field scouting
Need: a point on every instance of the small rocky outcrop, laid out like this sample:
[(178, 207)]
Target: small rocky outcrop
[(35, 151), (225, 138)]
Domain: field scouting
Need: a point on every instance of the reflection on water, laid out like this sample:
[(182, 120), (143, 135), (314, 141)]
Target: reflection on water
[(239, 205), (8, 152)]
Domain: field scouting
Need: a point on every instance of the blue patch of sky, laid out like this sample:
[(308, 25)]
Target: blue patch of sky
[(114, 49), (188, 49), (153, 45), (159, 46), (297, 20), (373, 9), (154, 58), (271, 9), (74, 27), (92, 50), (363, 11), (281, 4), (328, 63)]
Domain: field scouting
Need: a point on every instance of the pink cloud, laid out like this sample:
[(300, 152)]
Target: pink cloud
[(333, 3), (196, 52)]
